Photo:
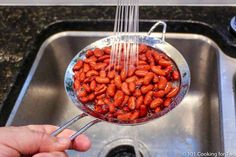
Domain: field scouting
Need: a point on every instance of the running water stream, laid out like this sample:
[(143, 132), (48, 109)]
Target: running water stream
[(125, 52)]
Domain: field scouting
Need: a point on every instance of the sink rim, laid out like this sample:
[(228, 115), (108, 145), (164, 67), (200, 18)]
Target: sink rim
[(89, 33), (180, 26)]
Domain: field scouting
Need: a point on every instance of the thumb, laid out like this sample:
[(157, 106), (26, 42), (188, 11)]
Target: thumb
[(27, 141)]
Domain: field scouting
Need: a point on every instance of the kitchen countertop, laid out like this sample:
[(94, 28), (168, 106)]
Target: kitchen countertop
[(21, 26)]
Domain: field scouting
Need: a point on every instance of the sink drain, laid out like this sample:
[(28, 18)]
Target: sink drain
[(122, 151), (123, 148)]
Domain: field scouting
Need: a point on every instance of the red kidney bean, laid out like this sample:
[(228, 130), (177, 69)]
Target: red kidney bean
[(174, 91), (142, 111), (102, 80), (167, 102), (124, 117), (100, 66), (100, 102), (132, 87), (143, 57), (107, 61), (118, 98), (86, 67), (107, 50), (76, 85), (89, 53), (125, 101), (155, 79), (111, 90), (81, 92), (134, 115), (131, 72), (131, 79), (105, 109), (155, 88), (159, 94), (139, 102), (118, 112), (164, 63), (86, 88), (111, 74), (102, 58), (97, 109), (131, 103), (98, 52), (84, 99), (90, 59), (112, 108), (145, 89), (143, 67), (101, 90), (148, 98), (101, 96), (148, 78), (82, 77), (88, 79), (139, 82), (142, 63), (78, 65), (168, 69), (118, 67), (93, 85), (175, 75), (91, 73), (118, 81), (125, 88), (91, 97), (141, 73), (149, 56), (156, 57), (123, 75), (92, 65), (158, 70), (157, 110), (162, 82), (102, 73), (155, 103), (107, 101), (168, 87), (77, 73), (142, 48)]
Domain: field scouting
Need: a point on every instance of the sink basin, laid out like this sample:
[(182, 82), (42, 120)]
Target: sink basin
[(203, 122)]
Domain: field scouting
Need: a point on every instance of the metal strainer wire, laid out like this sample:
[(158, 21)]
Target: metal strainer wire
[(155, 43)]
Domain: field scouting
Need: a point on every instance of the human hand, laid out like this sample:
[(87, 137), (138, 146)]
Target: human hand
[(36, 140)]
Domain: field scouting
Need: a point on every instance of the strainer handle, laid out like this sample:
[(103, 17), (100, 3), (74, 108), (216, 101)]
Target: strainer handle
[(70, 122), (83, 129), (155, 26), (67, 124)]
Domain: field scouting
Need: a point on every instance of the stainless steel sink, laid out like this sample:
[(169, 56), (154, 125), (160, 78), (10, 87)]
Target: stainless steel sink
[(203, 122)]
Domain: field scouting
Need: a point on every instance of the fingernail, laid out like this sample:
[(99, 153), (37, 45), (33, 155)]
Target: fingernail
[(63, 141)]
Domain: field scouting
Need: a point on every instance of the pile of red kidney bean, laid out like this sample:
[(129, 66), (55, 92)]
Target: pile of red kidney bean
[(145, 89)]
